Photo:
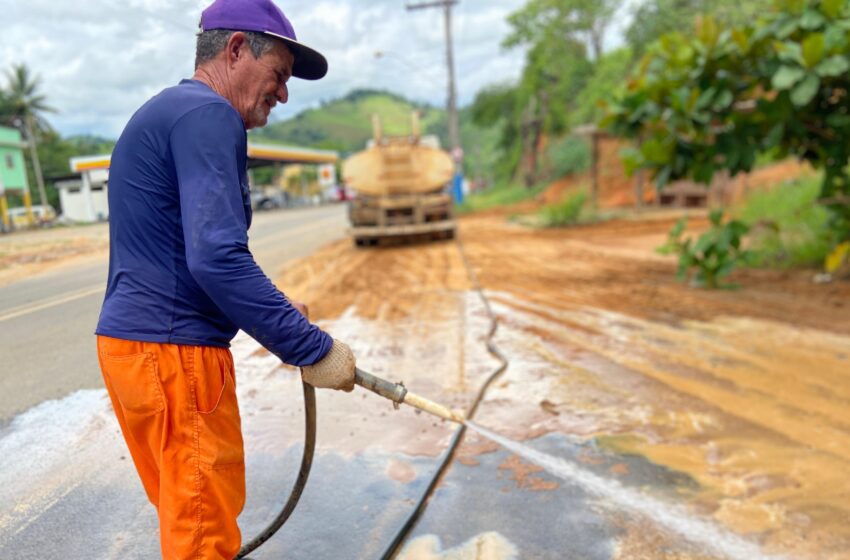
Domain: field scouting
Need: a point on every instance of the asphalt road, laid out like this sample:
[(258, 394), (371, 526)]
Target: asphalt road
[(47, 321)]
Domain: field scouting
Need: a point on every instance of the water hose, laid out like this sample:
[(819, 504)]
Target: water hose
[(300, 481), (449, 455), (395, 392), (398, 394)]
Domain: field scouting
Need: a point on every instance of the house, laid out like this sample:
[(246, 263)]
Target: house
[(13, 172)]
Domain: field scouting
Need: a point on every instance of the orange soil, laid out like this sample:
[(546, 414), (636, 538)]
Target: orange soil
[(745, 391), (617, 190)]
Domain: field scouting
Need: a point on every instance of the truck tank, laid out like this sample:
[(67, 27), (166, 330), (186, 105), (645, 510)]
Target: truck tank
[(400, 186)]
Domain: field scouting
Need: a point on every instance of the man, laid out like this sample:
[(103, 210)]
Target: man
[(182, 280)]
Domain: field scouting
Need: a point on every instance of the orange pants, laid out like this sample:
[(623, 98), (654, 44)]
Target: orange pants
[(178, 412)]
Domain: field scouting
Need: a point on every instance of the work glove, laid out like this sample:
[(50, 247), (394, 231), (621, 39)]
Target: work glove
[(334, 371)]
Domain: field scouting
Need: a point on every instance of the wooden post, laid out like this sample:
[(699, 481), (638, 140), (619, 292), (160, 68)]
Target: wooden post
[(594, 170), (639, 179)]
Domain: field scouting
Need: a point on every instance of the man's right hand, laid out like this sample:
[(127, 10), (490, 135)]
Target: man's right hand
[(334, 371)]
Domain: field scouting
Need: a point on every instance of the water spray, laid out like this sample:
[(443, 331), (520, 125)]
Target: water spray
[(399, 394)]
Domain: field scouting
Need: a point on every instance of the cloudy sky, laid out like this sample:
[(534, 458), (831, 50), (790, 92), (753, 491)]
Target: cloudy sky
[(98, 60)]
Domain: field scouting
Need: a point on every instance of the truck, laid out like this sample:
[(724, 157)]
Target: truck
[(399, 185)]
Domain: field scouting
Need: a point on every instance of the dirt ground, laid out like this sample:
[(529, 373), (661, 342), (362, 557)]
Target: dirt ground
[(26, 253), (617, 189), (744, 393)]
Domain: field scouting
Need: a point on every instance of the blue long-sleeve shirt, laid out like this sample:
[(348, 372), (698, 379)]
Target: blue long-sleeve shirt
[(179, 211)]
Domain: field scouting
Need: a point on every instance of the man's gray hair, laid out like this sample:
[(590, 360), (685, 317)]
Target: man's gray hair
[(212, 42)]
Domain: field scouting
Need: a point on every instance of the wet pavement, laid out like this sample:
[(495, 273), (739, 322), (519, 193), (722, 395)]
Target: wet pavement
[(633, 436)]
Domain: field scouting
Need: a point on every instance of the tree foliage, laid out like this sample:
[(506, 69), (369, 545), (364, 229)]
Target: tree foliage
[(540, 21), (21, 99), (654, 18), (714, 99), (557, 34)]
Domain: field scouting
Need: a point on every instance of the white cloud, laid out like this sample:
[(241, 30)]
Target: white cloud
[(99, 60)]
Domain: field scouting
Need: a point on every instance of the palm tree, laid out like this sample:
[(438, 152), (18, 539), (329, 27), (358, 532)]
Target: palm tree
[(23, 106), (7, 116)]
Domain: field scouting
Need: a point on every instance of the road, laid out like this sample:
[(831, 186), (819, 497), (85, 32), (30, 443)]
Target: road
[(638, 418), (47, 321)]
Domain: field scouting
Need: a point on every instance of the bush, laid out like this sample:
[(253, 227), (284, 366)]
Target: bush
[(563, 213), (569, 155), (789, 227), (498, 195), (714, 255)]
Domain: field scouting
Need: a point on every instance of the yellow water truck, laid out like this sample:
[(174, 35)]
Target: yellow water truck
[(400, 188)]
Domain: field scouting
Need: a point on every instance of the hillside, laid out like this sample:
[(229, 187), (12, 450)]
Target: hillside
[(346, 124)]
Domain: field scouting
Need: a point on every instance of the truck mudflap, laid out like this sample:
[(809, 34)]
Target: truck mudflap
[(374, 235)]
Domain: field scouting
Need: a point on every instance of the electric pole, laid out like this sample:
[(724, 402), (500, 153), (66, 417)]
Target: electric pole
[(454, 128)]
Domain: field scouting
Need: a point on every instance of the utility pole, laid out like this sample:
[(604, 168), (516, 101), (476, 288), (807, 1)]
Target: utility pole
[(36, 164), (454, 127)]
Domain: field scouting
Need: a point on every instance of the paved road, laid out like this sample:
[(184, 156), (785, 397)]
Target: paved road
[(47, 321)]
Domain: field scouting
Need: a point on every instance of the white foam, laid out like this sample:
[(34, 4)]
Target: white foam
[(672, 517)]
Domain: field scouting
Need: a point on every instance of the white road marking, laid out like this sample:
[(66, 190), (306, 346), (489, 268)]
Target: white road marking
[(51, 302), (47, 303)]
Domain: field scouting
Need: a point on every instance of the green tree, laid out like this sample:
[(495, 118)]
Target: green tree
[(654, 18), (715, 99), (554, 75), (497, 107), (24, 106), (608, 78), (558, 34), (585, 21)]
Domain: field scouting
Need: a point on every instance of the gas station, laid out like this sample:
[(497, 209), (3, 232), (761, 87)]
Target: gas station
[(83, 194)]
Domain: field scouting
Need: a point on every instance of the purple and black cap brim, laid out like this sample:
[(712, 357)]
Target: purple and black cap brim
[(263, 16), (309, 64)]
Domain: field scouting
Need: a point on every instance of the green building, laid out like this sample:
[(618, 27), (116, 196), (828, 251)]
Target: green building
[(13, 171)]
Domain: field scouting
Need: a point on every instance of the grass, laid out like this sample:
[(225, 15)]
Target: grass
[(563, 213), (789, 227), (498, 195)]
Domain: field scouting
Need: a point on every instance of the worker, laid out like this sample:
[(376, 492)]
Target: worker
[(182, 280)]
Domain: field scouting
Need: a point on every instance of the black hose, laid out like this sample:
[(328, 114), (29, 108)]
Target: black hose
[(449, 455), (303, 473)]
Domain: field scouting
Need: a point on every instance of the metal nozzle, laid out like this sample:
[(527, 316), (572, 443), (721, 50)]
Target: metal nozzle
[(398, 393)]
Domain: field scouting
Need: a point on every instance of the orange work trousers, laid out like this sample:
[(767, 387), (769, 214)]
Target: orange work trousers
[(178, 412)]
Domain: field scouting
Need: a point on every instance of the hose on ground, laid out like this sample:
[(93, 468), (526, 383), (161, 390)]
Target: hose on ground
[(446, 461), (448, 456), (300, 481)]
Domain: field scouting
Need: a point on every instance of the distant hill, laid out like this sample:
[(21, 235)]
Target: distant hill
[(346, 124)]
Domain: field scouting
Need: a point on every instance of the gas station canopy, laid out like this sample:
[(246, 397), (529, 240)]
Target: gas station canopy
[(258, 155)]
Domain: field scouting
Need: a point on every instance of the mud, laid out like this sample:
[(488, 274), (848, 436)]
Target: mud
[(744, 394), (521, 473)]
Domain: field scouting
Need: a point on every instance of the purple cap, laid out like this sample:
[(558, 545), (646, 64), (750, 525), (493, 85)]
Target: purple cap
[(263, 16)]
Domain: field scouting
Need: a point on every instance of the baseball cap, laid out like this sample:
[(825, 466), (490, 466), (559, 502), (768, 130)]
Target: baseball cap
[(263, 16)]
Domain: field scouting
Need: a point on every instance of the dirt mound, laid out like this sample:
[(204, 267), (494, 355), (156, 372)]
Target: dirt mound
[(618, 190)]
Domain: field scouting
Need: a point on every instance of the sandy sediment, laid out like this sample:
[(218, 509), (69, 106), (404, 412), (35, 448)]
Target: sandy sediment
[(744, 393)]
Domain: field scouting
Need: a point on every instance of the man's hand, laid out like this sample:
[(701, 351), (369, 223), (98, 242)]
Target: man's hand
[(334, 371)]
